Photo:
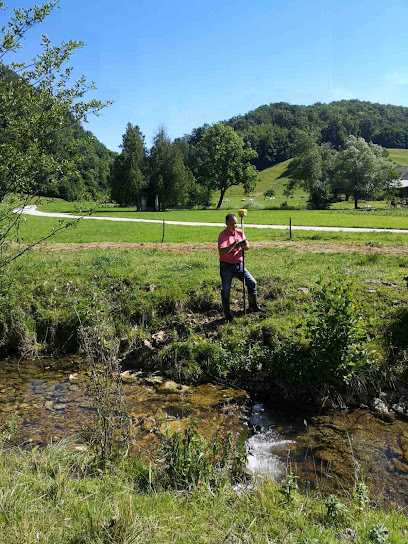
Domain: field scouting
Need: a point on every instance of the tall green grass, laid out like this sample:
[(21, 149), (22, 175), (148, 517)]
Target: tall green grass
[(56, 497)]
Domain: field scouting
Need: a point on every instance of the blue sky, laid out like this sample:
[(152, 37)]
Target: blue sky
[(180, 64)]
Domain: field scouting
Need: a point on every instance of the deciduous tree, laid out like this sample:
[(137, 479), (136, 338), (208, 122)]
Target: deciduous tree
[(37, 99), (363, 169), (225, 161), (312, 168)]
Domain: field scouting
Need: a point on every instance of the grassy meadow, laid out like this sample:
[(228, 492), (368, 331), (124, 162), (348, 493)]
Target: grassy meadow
[(54, 496), (48, 295), (260, 210)]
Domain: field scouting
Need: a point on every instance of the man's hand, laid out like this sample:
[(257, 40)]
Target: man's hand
[(243, 244)]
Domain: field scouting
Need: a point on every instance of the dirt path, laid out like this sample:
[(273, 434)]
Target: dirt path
[(321, 247)]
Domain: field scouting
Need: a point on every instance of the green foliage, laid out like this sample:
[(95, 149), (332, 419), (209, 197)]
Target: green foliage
[(10, 428), (337, 333), (379, 535), (336, 511), (189, 460), (363, 169), (312, 168), (169, 178), (193, 359), (289, 487), (38, 100), (362, 494), (129, 175), (203, 299), (55, 496), (269, 192), (224, 161)]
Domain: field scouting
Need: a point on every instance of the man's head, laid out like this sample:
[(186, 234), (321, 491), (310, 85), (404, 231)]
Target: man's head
[(231, 222)]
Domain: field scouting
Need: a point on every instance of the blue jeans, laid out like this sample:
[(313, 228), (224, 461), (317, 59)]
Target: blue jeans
[(229, 271)]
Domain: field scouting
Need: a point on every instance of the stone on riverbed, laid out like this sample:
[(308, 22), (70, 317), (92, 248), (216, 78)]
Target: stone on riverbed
[(399, 465), (380, 407), (154, 380), (172, 387), (129, 377), (401, 407)]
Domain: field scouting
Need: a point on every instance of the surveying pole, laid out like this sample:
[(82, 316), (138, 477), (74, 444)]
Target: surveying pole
[(242, 213)]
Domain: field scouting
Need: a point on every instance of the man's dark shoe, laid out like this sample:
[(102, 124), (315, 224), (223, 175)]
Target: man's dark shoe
[(253, 304), (229, 317)]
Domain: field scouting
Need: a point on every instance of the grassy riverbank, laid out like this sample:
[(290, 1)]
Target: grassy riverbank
[(141, 293), (53, 496)]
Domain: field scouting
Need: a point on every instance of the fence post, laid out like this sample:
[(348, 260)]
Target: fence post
[(164, 223), (290, 227)]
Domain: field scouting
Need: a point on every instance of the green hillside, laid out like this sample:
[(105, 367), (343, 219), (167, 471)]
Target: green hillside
[(276, 177), (399, 156)]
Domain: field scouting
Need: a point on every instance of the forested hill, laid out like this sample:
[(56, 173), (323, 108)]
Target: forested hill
[(272, 129), (92, 160)]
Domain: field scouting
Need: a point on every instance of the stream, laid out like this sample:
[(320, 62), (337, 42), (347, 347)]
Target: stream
[(48, 400)]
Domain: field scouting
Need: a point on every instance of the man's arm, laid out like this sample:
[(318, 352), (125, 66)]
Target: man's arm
[(227, 249)]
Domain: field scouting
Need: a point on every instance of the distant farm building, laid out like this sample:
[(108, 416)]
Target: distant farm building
[(403, 193)]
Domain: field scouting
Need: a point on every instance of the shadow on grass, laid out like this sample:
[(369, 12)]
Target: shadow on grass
[(397, 329)]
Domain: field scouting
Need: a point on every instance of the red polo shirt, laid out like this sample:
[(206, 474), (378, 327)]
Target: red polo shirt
[(225, 239)]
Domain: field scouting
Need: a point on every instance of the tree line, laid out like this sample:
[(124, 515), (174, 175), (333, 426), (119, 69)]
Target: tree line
[(272, 130), (162, 177), (27, 117)]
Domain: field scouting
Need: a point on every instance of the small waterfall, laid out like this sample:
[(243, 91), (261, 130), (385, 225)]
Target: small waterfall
[(264, 445)]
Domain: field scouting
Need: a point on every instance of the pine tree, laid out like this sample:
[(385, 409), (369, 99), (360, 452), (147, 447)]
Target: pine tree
[(169, 177), (129, 171)]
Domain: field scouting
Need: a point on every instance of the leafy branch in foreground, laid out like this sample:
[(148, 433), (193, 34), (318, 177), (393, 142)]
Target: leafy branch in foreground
[(38, 100)]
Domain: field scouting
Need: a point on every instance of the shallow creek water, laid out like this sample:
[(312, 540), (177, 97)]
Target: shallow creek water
[(49, 401), (333, 450)]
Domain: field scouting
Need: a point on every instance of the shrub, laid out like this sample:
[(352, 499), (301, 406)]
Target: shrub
[(193, 360), (188, 460), (338, 335), (336, 513)]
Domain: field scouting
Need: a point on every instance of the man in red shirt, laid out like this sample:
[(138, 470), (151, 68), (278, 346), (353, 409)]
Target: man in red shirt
[(231, 244)]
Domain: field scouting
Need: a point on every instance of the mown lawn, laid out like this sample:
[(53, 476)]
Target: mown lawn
[(34, 228), (379, 218)]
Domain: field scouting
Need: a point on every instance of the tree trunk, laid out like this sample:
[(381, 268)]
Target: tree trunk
[(221, 198), (355, 204)]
